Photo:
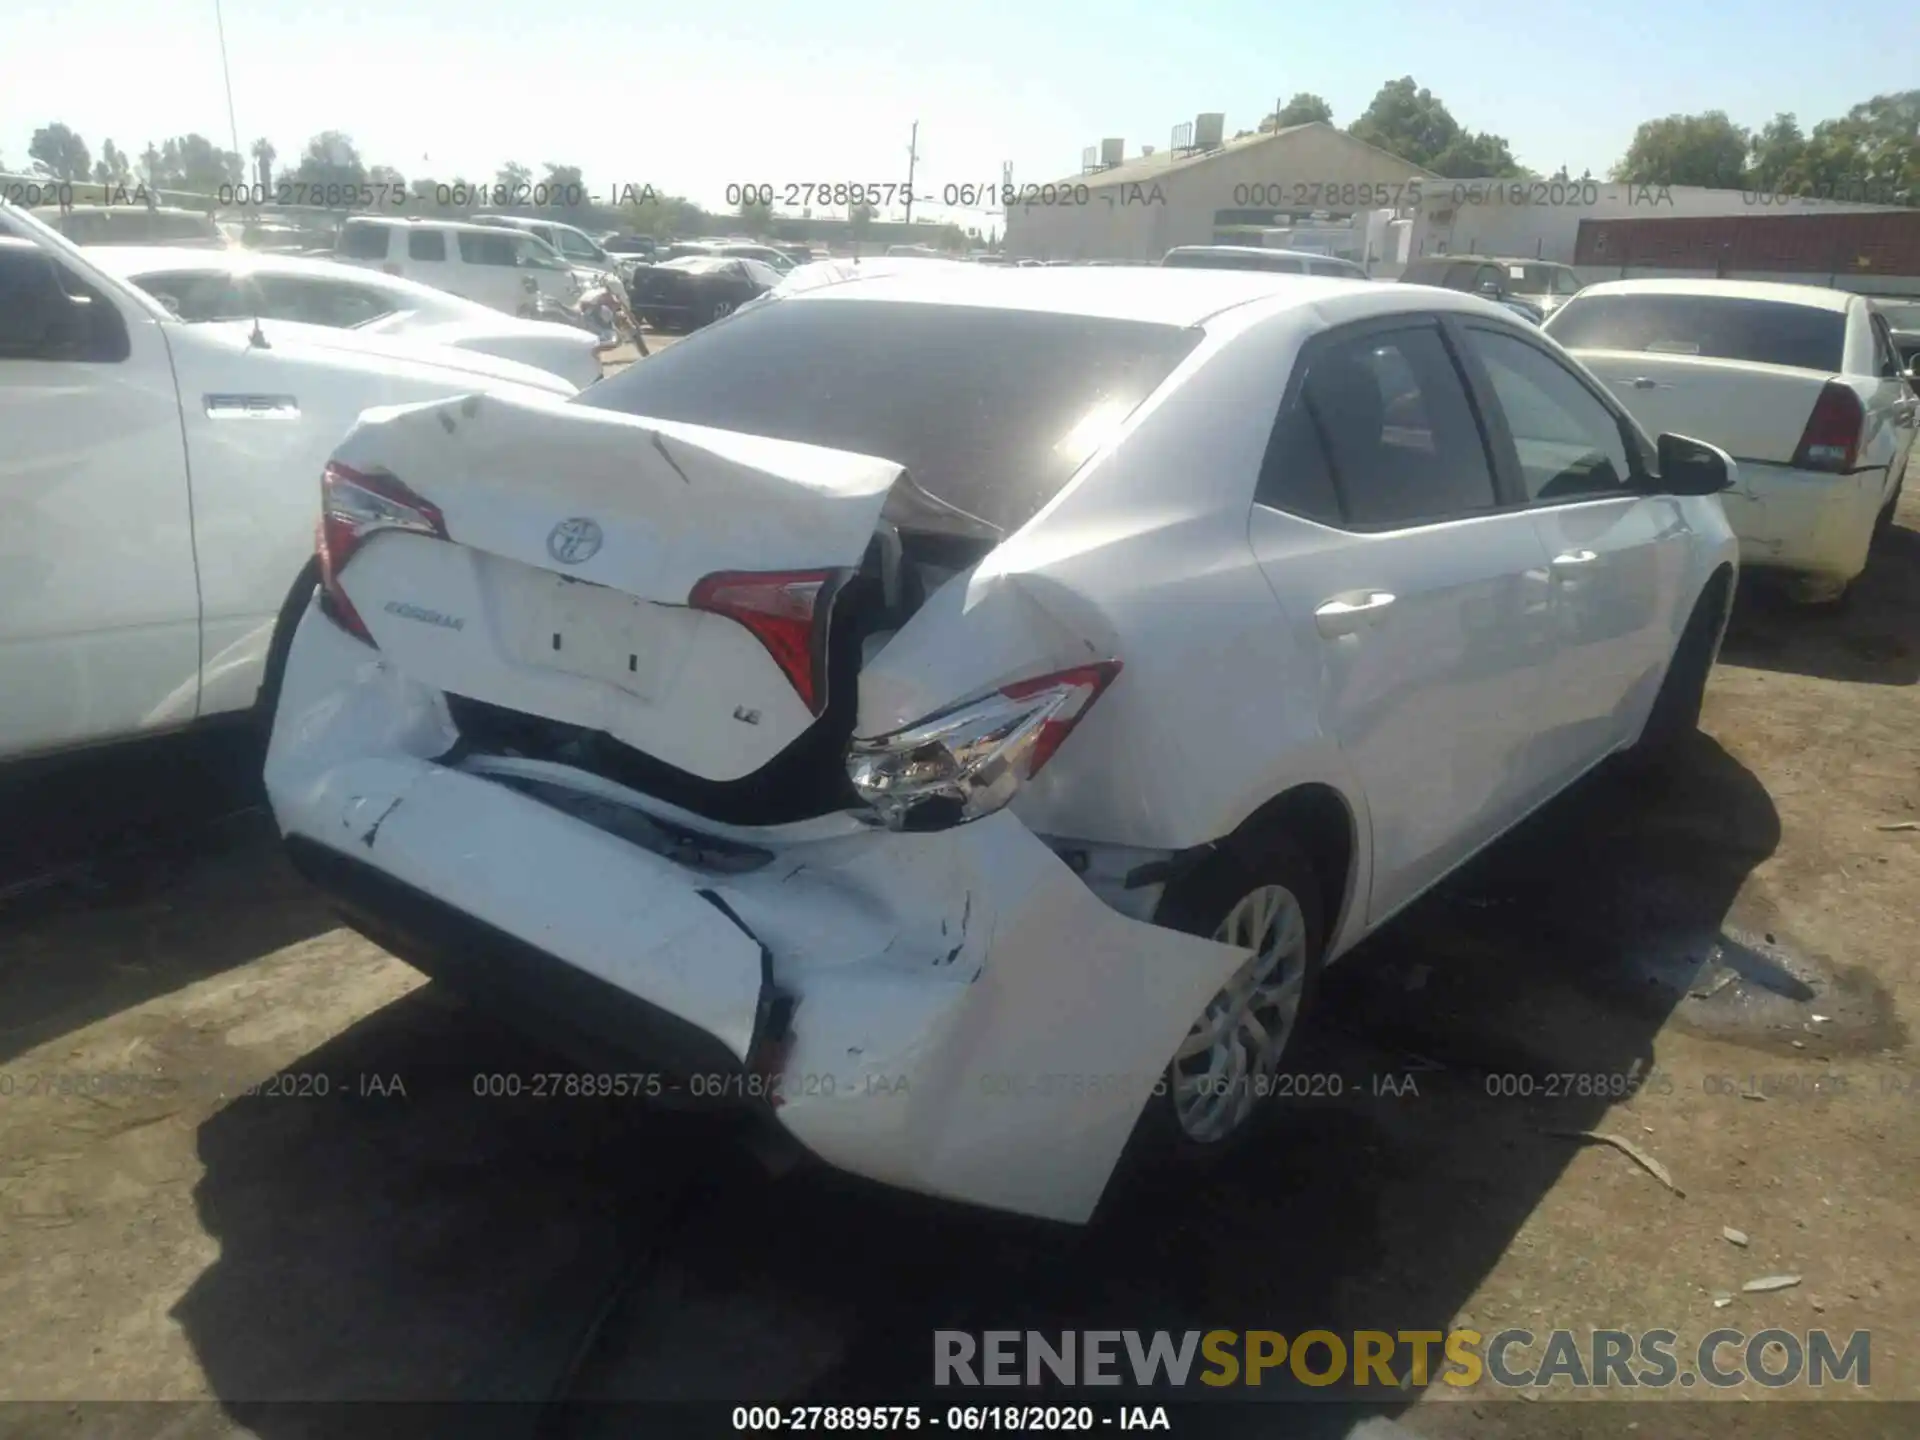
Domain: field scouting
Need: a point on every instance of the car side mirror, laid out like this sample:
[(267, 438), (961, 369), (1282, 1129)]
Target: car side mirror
[(37, 316), (1693, 467)]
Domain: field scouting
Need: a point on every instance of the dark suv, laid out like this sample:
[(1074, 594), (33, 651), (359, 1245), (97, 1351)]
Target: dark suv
[(1536, 288)]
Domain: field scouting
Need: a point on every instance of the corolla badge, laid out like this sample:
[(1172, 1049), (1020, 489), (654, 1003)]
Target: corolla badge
[(575, 541)]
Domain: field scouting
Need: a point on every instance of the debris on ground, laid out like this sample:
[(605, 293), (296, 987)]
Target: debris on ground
[(1901, 825), (1626, 1147), (1771, 1282), (1738, 1237), (1721, 1299)]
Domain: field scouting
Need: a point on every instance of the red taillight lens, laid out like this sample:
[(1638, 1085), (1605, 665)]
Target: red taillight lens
[(787, 612), (352, 507), (1831, 440), (1086, 681)]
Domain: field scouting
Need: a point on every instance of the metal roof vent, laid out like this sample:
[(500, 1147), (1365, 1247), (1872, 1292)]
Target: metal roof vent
[(1113, 151), (1209, 130)]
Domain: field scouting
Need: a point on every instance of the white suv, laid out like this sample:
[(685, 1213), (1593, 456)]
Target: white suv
[(504, 269), (961, 709)]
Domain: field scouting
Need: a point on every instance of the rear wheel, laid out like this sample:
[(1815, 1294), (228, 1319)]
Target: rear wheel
[(719, 310), (1223, 1075), (1883, 522)]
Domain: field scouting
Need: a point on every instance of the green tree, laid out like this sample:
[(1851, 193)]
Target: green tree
[(860, 219), (388, 176), (263, 157), (662, 216), (1302, 109), (756, 217), (1706, 149), (1474, 157), (950, 238), (1407, 121), (61, 152), (330, 159), (1776, 154), (514, 178), (195, 164), (113, 167)]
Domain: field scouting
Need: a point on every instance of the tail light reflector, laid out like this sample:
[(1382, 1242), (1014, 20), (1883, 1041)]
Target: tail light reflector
[(787, 612), (1831, 440), (354, 506)]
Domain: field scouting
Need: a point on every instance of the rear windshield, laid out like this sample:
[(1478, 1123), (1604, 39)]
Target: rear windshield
[(1231, 260), (990, 410), (1719, 327), (700, 264), (1529, 279)]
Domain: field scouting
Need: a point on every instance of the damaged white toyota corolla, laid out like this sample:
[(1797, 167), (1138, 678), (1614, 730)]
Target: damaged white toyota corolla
[(960, 712)]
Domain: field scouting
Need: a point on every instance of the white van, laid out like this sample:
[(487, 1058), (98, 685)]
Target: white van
[(501, 268)]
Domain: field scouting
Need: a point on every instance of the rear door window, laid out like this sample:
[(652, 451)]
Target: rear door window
[(363, 242), (1568, 444), (486, 248), (1400, 434), (426, 245), (1717, 327)]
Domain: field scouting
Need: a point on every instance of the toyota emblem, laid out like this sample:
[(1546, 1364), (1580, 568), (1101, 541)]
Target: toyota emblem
[(575, 541)]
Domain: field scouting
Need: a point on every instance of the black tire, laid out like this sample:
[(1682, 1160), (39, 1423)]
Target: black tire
[(268, 698), (1197, 904), (1675, 717), (1883, 522), (717, 310)]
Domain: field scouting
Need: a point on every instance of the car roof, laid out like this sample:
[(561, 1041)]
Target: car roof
[(402, 222), (1254, 250), (128, 262), (44, 210), (1814, 297), (1148, 293)]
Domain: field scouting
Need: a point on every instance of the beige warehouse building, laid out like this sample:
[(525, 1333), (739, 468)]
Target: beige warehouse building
[(1204, 190)]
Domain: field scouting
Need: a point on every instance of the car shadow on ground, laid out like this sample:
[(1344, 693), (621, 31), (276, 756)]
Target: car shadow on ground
[(440, 1245), (109, 865), (1874, 639)]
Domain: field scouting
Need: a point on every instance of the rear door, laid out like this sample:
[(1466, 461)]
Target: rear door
[(1616, 554), (1894, 403), (1424, 592), (489, 269)]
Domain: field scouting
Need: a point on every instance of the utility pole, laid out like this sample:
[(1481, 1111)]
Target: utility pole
[(913, 158), (220, 26)]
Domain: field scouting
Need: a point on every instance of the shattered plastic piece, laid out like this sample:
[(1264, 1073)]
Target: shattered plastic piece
[(1721, 1299), (1771, 1282), (1626, 1147), (1901, 825), (1738, 1237)]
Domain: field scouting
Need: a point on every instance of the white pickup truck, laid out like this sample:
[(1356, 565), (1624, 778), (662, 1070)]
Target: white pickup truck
[(160, 485)]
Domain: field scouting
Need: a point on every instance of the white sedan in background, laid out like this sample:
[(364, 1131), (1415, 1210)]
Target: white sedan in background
[(202, 285), (961, 710), (1802, 386)]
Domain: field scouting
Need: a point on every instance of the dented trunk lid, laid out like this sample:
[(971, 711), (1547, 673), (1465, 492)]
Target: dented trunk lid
[(576, 537)]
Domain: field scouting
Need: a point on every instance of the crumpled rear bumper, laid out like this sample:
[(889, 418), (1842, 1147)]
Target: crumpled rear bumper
[(954, 1012), (1804, 521)]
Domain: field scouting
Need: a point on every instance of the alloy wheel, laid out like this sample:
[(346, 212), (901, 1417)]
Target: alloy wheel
[(1218, 1073)]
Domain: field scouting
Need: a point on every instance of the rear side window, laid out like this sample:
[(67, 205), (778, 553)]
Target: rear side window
[(363, 242), (1568, 444), (989, 410), (320, 302), (1295, 476), (479, 249), (1392, 412), (426, 244), (197, 294), (1718, 327)]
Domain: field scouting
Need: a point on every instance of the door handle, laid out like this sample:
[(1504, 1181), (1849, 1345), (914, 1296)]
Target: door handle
[(1574, 559), (1644, 382), (1342, 616)]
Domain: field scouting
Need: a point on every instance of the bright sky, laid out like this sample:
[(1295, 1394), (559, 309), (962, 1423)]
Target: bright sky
[(692, 96)]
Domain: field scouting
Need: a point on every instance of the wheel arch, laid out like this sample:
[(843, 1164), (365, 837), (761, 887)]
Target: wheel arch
[(1328, 827)]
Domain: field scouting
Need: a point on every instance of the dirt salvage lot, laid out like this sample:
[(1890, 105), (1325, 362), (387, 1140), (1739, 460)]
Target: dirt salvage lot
[(1748, 931)]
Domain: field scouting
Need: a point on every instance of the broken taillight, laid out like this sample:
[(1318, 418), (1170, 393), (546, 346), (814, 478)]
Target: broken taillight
[(787, 612), (971, 759), (354, 506)]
